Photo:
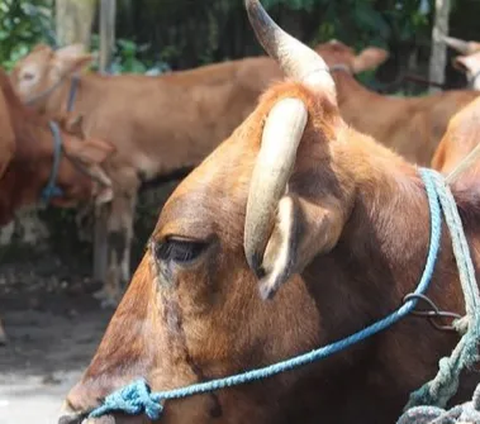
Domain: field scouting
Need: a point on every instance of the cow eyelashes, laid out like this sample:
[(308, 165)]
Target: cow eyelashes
[(179, 250)]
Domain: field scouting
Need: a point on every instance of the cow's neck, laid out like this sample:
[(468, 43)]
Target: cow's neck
[(391, 206), (88, 90), (26, 174), (359, 106), (378, 260), (350, 93)]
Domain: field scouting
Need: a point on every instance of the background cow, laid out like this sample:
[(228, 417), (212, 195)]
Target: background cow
[(469, 61), (412, 126), (28, 144), (461, 137), (328, 225)]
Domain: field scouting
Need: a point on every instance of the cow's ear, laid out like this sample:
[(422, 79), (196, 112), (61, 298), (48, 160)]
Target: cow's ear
[(303, 229), (369, 58), (71, 59), (74, 125), (91, 150), (40, 47), (469, 64), (89, 155)]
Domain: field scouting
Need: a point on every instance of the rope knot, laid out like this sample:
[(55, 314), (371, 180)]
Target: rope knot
[(134, 399), (461, 325), (467, 413)]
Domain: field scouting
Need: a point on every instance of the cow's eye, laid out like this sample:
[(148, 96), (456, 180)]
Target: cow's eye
[(28, 76), (179, 249)]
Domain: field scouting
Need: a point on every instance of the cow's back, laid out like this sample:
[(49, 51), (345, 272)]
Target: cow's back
[(445, 106), (174, 120)]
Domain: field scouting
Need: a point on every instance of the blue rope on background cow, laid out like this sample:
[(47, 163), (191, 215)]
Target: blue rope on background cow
[(137, 398), (51, 189), (72, 94)]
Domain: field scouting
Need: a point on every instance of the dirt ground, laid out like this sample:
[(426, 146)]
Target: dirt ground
[(53, 322), (54, 326)]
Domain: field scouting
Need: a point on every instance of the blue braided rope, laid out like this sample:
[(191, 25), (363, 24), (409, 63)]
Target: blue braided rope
[(72, 94), (137, 398), (468, 412), (445, 384), (51, 189)]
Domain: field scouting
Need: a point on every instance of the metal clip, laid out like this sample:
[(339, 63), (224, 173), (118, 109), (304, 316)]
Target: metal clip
[(434, 314)]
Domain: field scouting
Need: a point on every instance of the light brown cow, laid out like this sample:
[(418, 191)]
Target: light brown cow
[(159, 124), (461, 137), (469, 61), (412, 127), (7, 136), (28, 144), (329, 225)]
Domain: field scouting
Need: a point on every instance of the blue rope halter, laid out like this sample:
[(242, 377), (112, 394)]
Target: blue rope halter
[(136, 398), (51, 189), (72, 94)]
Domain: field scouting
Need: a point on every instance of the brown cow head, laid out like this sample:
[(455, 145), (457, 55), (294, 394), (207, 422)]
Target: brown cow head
[(470, 65), (38, 78), (469, 61), (297, 208), (336, 53), (80, 175)]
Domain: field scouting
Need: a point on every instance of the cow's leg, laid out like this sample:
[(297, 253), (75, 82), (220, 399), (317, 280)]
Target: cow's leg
[(119, 229), (125, 265), (3, 335), (120, 235), (100, 243)]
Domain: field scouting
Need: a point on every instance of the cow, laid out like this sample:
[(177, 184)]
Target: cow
[(158, 124), (412, 127), (27, 160), (296, 231), (7, 137), (469, 61), (461, 137)]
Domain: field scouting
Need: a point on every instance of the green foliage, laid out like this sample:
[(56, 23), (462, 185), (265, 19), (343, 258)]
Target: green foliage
[(188, 33), (127, 58), (307, 5), (374, 22), (23, 24)]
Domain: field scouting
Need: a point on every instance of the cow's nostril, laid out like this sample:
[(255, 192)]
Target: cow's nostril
[(74, 418)]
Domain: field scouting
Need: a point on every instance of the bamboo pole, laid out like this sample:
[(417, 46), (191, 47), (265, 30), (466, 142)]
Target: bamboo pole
[(107, 33), (73, 21), (438, 57), (107, 44)]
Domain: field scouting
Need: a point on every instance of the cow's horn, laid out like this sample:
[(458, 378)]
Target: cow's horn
[(296, 59), (460, 45), (281, 136)]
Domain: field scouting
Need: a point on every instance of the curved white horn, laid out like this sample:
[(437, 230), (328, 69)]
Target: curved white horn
[(297, 60), (459, 45), (281, 137)]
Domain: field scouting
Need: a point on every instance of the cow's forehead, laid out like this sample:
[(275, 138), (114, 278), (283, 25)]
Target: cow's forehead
[(34, 62), (213, 197)]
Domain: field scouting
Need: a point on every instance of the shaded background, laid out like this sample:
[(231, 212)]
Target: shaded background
[(180, 34)]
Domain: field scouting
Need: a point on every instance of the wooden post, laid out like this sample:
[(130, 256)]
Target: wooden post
[(107, 43), (438, 57), (74, 20), (107, 33)]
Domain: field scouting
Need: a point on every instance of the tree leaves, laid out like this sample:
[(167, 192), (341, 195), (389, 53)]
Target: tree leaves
[(22, 24)]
